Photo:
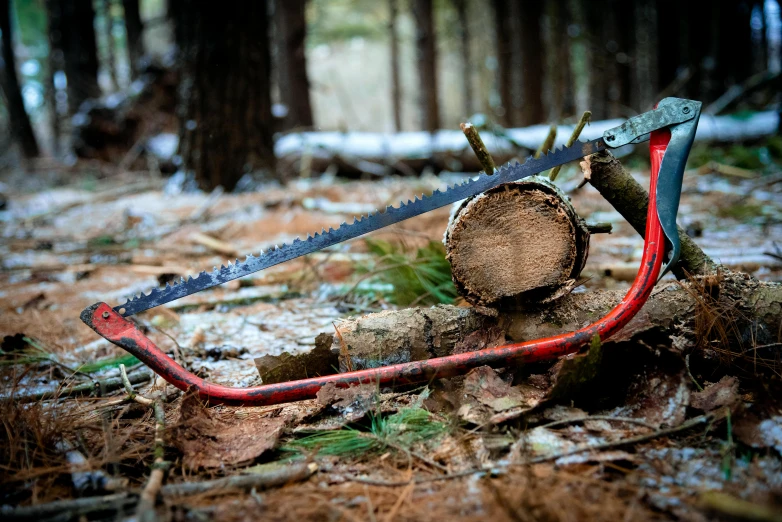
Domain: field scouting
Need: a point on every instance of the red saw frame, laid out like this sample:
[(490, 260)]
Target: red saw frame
[(125, 334)]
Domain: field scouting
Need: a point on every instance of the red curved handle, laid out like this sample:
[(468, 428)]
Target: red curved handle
[(112, 326)]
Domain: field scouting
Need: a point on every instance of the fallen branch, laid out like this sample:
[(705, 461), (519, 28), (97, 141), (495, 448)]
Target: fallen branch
[(702, 419), (107, 385), (122, 502), (146, 506), (275, 478), (628, 420), (71, 509), (631, 200), (749, 309)]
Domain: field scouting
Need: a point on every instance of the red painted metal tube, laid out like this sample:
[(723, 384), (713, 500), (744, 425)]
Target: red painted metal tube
[(112, 326)]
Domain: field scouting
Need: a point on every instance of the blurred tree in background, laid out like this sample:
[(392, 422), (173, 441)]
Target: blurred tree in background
[(247, 72)]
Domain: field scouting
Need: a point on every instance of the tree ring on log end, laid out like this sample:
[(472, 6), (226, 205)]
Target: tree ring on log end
[(516, 245)]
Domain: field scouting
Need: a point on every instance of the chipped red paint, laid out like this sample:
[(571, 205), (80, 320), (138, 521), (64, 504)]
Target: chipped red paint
[(108, 323)]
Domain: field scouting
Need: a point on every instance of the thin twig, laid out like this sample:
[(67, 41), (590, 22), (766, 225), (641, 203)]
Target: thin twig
[(399, 483), (687, 364), (146, 505), (270, 479), (475, 141), (628, 420), (122, 501), (632, 440), (129, 388), (601, 227), (573, 137), (145, 510)]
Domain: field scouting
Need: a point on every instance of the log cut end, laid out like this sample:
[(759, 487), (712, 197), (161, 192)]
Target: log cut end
[(518, 244)]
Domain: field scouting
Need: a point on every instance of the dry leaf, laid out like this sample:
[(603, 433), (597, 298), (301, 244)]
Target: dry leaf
[(209, 439)]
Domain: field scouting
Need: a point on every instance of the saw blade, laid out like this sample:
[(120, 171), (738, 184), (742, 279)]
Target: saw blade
[(359, 227)]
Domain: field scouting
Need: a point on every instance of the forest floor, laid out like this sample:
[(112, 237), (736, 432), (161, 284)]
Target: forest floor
[(73, 240)]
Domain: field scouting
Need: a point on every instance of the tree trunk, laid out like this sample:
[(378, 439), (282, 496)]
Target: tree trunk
[(557, 61), (396, 88), (464, 47), (580, 64), (427, 64), (20, 122), (294, 85), (645, 55), (503, 28), (227, 129), (598, 60), (134, 31), (80, 52), (111, 55), (668, 60), (532, 58), (54, 64), (518, 244), (734, 56)]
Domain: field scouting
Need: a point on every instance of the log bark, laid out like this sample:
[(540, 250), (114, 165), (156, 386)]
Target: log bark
[(631, 200), (412, 334), (518, 244), (730, 317)]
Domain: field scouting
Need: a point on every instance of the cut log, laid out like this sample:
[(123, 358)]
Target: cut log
[(518, 244), (413, 334), (730, 315)]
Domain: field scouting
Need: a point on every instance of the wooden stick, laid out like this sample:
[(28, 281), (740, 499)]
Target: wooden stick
[(573, 137), (221, 247), (548, 142), (274, 478), (475, 141)]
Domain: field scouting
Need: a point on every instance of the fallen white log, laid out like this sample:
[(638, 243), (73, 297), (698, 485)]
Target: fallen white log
[(378, 153), (422, 145)]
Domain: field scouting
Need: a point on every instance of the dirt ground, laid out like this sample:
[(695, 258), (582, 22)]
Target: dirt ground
[(708, 444)]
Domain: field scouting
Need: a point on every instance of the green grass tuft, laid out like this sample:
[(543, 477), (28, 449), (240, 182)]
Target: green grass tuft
[(404, 429), (420, 278)]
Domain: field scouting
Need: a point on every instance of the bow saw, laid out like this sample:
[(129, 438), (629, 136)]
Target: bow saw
[(670, 127)]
